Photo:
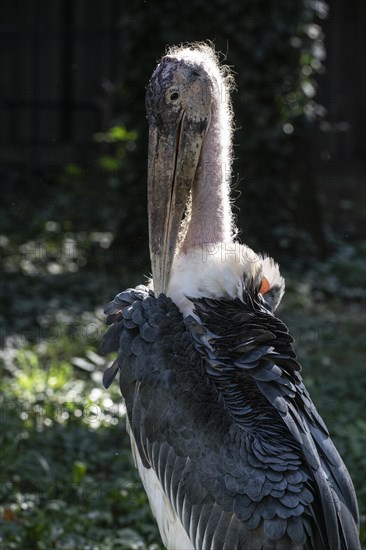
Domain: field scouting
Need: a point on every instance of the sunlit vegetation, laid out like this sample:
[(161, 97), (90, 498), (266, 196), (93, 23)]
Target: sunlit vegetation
[(67, 477)]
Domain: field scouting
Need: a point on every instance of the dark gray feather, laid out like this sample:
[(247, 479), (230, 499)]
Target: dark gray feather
[(218, 409)]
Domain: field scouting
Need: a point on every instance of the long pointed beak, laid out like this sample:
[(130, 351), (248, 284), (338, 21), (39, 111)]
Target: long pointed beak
[(173, 159)]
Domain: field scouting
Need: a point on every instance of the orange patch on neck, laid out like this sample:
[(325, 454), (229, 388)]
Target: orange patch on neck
[(264, 286)]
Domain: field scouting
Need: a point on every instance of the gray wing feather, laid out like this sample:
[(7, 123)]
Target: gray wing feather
[(219, 411)]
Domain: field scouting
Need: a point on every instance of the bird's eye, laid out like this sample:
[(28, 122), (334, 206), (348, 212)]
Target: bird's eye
[(174, 96)]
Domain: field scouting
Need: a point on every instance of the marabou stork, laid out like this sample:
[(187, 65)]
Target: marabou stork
[(228, 444)]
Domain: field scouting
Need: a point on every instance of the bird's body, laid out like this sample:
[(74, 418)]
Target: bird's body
[(229, 446)]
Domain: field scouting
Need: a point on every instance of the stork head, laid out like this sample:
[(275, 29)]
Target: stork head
[(179, 103)]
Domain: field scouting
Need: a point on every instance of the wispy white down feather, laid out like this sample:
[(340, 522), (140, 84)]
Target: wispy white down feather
[(218, 270)]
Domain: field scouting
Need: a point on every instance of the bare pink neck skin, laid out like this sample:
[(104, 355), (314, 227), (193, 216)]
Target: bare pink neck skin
[(211, 217)]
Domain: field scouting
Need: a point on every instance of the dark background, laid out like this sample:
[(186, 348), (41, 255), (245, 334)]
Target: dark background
[(73, 228), (72, 69)]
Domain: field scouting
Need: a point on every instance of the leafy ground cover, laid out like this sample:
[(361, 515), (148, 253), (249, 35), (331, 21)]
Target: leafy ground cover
[(68, 479)]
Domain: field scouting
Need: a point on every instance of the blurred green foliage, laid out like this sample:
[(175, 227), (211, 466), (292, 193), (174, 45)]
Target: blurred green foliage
[(68, 480)]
